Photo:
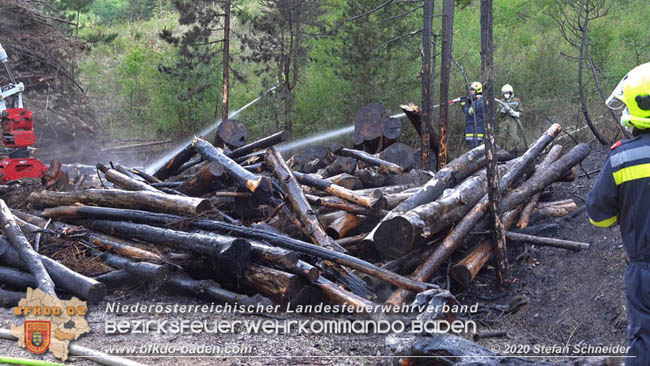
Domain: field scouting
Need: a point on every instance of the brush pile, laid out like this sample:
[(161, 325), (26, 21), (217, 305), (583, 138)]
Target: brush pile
[(247, 226)]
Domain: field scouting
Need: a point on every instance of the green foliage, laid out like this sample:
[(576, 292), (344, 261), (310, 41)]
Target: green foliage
[(343, 70)]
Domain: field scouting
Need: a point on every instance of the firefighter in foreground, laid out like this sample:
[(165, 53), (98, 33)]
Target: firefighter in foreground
[(622, 195), (473, 109)]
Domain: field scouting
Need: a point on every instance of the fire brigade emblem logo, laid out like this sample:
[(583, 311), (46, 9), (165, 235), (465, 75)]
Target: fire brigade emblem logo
[(37, 335)]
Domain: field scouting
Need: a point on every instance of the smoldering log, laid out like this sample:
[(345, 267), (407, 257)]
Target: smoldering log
[(259, 185), (279, 240), (213, 291), (153, 201), (260, 144), (374, 201), (232, 133), (172, 166), (230, 253), (124, 181), (452, 174), (524, 218), (10, 299), (549, 242), (309, 222), (204, 180), (27, 255), (73, 282), (372, 160), (457, 235)]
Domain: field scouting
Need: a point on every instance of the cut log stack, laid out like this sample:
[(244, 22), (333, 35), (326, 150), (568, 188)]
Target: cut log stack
[(248, 225)]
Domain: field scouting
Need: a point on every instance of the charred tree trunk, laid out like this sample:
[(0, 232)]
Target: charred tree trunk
[(250, 233), (425, 122), (457, 235), (231, 254), (310, 225), (204, 181), (73, 282), (124, 181), (414, 115), (552, 156), (445, 71), (213, 291), (172, 166), (372, 160), (260, 144), (259, 185), (452, 174), (374, 201), (123, 199), (504, 275), (27, 255)]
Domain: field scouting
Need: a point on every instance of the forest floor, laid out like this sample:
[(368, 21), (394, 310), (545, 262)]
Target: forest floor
[(567, 298)]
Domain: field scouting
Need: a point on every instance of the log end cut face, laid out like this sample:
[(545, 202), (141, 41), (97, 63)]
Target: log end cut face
[(394, 238), (369, 121), (233, 133)]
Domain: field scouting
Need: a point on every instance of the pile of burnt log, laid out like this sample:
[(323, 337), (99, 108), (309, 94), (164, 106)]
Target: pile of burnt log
[(247, 225)]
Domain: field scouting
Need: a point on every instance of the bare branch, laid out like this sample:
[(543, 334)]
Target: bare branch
[(395, 40), (370, 11), (403, 14)]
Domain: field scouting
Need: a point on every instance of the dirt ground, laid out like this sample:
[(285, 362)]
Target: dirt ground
[(566, 298)]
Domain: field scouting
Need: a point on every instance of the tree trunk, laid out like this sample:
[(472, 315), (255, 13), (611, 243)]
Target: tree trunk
[(124, 181), (494, 193), (225, 64), (257, 184), (581, 92), (451, 175), (445, 71), (425, 122), (28, 256), (123, 199), (230, 253), (524, 217), (458, 234), (173, 165)]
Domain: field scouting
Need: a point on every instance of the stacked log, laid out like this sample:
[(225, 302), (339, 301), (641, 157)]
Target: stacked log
[(247, 225)]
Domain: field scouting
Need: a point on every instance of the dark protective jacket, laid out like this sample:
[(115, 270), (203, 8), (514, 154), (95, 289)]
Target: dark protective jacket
[(622, 194), (476, 107)]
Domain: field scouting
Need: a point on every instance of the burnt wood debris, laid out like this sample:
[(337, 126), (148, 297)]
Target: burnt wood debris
[(243, 223)]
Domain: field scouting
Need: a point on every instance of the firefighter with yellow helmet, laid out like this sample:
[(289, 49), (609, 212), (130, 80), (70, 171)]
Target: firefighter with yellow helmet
[(621, 195)]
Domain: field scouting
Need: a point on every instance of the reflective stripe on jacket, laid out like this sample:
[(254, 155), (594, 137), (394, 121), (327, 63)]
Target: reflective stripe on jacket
[(622, 194)]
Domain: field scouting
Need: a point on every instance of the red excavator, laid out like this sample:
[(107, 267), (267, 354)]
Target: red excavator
[(17, 132)]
